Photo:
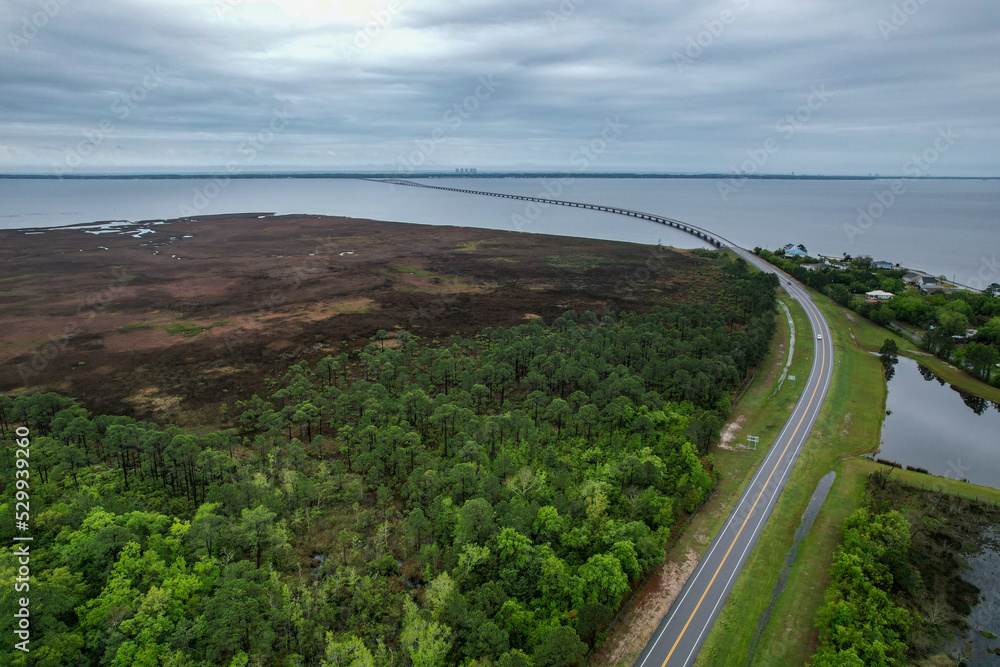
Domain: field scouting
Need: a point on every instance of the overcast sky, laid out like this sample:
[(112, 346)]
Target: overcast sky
[(153, 85)]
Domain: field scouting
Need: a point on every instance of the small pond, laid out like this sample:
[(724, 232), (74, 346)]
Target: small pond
[(933, 425)]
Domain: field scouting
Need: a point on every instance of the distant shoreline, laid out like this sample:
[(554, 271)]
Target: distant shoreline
[(490, 175)]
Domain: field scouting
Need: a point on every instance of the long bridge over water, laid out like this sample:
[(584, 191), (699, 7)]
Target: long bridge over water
[(681, 633), (705, 235)]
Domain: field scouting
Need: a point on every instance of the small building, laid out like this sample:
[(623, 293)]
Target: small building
[(796, 252), (879, 295), (928, 280), (882, 265), (912, 278), (934, 289), (819, 266)]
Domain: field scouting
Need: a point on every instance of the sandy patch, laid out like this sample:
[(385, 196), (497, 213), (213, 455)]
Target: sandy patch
[(221, 371), (323, 310), (151, 399), (729, 433), (651, 604), (848, 421), (267, 318), (361, 304)]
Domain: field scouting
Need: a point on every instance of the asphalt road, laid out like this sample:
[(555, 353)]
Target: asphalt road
[(682, 632)]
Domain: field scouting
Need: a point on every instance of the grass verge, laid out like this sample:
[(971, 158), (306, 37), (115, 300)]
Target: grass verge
[(848, 424), (791, 636), (862, 467)]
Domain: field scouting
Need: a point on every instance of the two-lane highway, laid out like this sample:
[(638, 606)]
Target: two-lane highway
[(682, 632)]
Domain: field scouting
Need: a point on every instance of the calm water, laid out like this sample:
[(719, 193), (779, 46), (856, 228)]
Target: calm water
[(942, 226), (984, 573), (937, 427)]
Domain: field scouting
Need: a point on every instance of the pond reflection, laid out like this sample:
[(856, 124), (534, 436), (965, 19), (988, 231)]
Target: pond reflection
[(950, 433)]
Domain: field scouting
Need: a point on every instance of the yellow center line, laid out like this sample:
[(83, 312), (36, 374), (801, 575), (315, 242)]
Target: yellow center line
[(759, 495)]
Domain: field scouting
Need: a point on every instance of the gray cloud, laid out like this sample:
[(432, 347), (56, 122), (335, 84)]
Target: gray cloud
[(699, 84)]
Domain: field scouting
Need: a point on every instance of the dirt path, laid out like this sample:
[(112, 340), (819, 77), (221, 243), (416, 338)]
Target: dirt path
[(629, 637)]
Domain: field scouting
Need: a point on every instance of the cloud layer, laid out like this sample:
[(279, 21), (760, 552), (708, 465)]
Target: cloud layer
[(768, 86)]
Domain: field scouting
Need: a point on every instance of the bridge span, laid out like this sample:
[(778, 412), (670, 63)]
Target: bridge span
[(705, 235)]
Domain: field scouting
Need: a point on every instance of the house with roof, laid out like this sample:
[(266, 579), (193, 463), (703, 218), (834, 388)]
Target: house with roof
[(879, 295), (934, 289), (882, 265), (912, 278)]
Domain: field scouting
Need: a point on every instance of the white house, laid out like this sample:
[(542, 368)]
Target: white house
[(879, 294)]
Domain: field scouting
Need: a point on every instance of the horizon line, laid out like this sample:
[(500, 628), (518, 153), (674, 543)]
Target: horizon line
[(484, 174)]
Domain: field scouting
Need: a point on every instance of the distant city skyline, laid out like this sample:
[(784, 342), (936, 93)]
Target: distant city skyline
[(772, 87)]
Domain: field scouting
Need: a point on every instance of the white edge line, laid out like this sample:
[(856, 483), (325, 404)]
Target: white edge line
[(816, 321)]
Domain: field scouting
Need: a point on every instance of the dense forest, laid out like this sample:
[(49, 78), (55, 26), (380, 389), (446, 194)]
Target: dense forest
[(476, 501), (945, 318)]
